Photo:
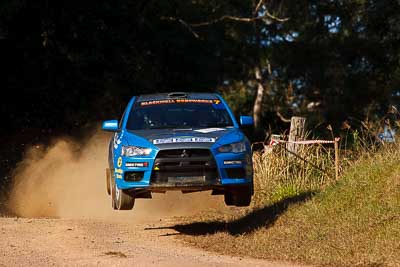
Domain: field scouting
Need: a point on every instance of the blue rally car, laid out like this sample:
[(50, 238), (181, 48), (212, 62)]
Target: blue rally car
[(178, 141)]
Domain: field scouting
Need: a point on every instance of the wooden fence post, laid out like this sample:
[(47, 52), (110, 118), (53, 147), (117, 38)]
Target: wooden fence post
[(296, 133), (336, 158)]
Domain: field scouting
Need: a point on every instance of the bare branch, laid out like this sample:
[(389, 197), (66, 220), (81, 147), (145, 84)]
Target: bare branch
[(184, 23), (269, 15), (280, 116), (241, 19), (258, 6), (190, 26)]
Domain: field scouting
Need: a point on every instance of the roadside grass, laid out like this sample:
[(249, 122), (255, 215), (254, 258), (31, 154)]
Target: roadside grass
[(279, 175), (307, 217)]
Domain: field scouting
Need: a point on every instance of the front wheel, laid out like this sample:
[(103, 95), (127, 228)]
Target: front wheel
[(228, 198), (239, 198), (120, 199), (243, 199)]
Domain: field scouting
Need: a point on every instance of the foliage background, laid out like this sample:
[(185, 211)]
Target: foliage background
[(67, 63)]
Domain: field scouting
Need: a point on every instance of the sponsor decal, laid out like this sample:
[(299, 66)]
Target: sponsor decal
[(183, 140), (209, 130), (119, 162), (232, 162), (117, 140), (118, 171), (178, 101), (118, 176), (136, 164)]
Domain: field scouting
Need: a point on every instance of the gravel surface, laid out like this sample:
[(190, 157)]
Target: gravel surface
[(103, 242), (66, 219)]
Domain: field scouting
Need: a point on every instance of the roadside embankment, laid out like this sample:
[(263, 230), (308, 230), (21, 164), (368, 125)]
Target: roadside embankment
[(355, 221)]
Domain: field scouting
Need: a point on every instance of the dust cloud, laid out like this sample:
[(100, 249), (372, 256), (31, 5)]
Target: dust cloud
[(67, 179)]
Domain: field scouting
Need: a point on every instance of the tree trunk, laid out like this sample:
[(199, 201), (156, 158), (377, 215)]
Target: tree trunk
[(257, 108)]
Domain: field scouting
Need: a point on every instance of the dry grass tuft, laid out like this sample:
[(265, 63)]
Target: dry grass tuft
[(279, 175)]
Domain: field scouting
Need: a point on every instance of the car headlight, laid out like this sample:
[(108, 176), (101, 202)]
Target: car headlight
[(233, 148), (130, 151)]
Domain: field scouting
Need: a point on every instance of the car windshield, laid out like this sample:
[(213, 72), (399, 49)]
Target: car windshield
[(178, 115)]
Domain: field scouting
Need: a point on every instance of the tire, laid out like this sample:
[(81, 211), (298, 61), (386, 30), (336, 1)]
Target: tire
[(243, 199), (122, 200), (112, 189), (228, 198), (239, 198), (108, 178)]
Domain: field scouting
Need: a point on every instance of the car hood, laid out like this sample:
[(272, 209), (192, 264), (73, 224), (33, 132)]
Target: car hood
[(185, 138)]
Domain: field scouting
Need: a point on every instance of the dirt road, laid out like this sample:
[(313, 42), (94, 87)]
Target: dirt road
[(102, 242), (65, 181)]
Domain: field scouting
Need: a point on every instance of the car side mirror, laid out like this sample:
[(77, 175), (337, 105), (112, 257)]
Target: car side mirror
[(110, 125), (246, 121)]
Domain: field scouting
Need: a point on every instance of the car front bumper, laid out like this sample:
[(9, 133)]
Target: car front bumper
[(217, 171)]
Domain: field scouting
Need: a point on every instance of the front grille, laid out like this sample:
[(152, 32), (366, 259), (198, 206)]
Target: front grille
[(235, 173), (133, 176), (189, 153), (184, 166)]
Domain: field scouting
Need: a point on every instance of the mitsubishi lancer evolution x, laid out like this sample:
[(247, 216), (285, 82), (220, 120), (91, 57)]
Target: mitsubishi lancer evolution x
[(178, 141)]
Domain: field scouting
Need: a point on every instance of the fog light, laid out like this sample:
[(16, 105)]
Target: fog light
[(232, 162), (136, 164), (133, 176)]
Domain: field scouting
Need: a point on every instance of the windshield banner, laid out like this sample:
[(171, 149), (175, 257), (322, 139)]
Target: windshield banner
[(179, 101)]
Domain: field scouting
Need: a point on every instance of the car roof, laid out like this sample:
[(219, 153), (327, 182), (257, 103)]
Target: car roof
[(172, 95)]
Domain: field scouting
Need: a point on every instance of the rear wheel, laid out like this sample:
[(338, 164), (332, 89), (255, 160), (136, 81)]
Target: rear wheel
[(108, 178), (113, 193)]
